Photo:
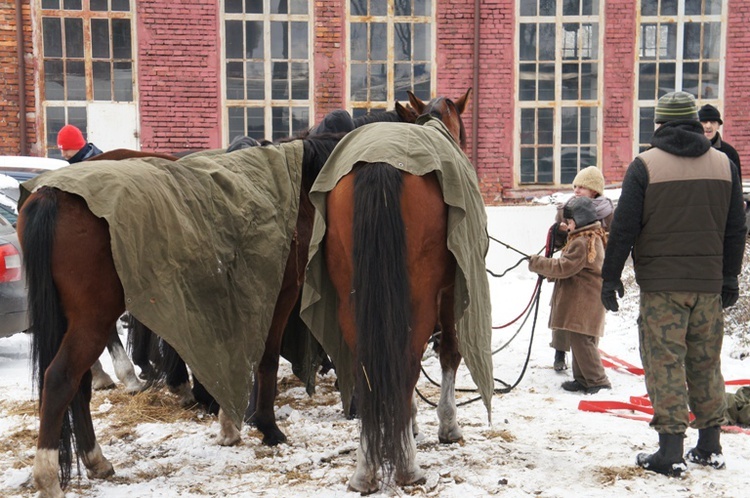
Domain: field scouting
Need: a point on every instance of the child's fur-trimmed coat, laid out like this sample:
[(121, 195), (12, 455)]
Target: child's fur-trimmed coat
[(577, 273)]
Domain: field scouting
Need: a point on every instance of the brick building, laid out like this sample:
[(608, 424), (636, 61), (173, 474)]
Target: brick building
[(557, 84)]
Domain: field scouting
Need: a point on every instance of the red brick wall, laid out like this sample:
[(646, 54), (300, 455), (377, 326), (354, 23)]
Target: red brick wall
[(736, 113), (494, 92), (179, 74), (619, 63), (12, 118), (329, 57)]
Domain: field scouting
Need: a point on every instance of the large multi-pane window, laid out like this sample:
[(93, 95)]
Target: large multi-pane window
[(390, 52), (87, 57), (267, 54), (679, 48), (559, 63)]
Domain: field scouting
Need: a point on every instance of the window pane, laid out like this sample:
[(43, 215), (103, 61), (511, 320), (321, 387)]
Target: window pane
[(280, 81), (646, 125), (589, 81), (691, 77), (546, 42), (546, 82), (256, 89), (51, 4), (378, 41), (570, 81), (588, 125), (568, 164), (402, 80), (75, 81), (102, 81), (52, 37), (358, 41), (378, 82), (72, 4), (359, 81), (546, 126), (527, 41), (234, 78), (668, 8), (710, 80), (403, 7), (528, 166), (711, 40), (233, 7), (300, 119), (123, 81), (590, 7), (100, 38), (256, 123), (358, 7), (280, 119), (422, 42), (236, 117), (77, 117), (527, 82), (279, 7), (299, 40), (402, 48), (120, 5), (528, 128), (378, 7), (55, 118), (73, 37), (666, 78), (547, 7), (422, 7), (691, 47), (279, 40), (571, 7), (121, 48), (53, 80), (254, 40), (647, 81), (693, 7), (422, 81), (233, 42), (300, 80), (648, 7), (569, 125), (545, 160), (713, 7), (298, 6), (254, 6)]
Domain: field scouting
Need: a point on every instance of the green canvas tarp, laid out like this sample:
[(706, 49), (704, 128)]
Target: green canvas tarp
[(200, 246)]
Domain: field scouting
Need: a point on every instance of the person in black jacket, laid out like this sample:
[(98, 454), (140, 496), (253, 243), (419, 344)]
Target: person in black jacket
[(710, 118), (73, 147), (681, 216)]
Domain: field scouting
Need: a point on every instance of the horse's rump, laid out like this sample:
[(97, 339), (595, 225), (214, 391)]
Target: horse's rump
[(418, 150), (200, 246)]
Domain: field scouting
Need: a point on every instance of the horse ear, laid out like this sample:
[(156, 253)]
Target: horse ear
[(406, 113), (461, 102), (416, 103)]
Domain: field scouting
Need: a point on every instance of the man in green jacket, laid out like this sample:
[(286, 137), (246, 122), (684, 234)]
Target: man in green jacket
[(681, 215)]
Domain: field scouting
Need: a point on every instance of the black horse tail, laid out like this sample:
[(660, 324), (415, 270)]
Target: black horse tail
[(382, 314), (46, 318)]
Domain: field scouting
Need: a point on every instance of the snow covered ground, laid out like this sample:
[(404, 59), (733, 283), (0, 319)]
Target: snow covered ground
[(539, 442)]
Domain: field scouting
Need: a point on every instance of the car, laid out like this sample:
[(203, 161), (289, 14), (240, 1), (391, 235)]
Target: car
[(23, 168), (13, 305)]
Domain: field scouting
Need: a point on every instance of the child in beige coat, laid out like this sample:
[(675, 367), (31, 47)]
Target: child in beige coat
[(576, 298)]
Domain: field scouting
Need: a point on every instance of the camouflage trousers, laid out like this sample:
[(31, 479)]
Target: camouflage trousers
[(681, 335)]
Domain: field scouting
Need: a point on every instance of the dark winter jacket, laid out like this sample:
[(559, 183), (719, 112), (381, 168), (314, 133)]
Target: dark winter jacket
[(718, 143), (88, 150), (680, 213)]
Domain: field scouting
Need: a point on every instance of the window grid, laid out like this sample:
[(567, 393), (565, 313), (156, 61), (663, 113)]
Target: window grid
[(390, 50), (681, 47), (559, 88), (267, 68), (87, 56)]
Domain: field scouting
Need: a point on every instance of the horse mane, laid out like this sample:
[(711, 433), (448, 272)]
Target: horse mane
[(377, 117)]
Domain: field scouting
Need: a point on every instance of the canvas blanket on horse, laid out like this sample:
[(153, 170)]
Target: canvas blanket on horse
[(200, 246), (417, 150)]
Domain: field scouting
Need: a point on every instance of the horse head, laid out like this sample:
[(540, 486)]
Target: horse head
[(447, 111)]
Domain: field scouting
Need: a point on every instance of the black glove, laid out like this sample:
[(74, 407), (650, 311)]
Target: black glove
[(730, 292), (609, 300)]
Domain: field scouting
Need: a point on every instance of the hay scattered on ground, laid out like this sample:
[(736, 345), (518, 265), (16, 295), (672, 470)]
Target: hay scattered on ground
[(610, 475)]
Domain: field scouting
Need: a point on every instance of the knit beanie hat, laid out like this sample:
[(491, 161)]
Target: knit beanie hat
[(70, 138), (581, 210), (674, 106), (590, 178), (709, 113)]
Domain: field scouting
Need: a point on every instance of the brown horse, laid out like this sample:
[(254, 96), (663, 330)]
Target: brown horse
[(387, 256), (75, 298)]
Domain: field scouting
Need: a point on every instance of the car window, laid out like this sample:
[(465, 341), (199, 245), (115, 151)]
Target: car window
[(6, 213)]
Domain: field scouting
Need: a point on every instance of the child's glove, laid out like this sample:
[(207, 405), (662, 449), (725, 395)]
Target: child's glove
[(730, 292), (609, 300)]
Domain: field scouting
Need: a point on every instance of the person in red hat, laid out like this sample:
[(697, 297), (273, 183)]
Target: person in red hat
[(73, 146)]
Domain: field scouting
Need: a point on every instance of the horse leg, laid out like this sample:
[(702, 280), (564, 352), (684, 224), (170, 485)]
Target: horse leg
[(101, 379), (140, 340), (97, 466), (365, 477), (448, 431), (178, 380), (123, 366), (229, 434)]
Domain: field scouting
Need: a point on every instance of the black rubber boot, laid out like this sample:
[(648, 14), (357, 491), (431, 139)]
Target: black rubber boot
[(668, 459), (708, 450)]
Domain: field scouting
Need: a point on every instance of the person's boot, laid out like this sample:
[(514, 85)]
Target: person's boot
[(560, 364), (668, 459), (708, 450)]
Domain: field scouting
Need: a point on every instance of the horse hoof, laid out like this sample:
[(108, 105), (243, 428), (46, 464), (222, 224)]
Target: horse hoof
[(102, 470), (362, 486), (275, 438), (455, 436), (103, 384), (136, 387), (230, 440), (413, 478)]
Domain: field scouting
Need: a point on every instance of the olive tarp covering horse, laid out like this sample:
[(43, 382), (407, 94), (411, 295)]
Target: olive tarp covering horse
[(387, 257)]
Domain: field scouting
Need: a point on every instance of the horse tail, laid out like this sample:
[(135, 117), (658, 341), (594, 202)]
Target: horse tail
[(382, 314), (46, 317)]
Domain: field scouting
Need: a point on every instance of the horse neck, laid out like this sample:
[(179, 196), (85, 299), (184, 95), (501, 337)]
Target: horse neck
[(377, 117)]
